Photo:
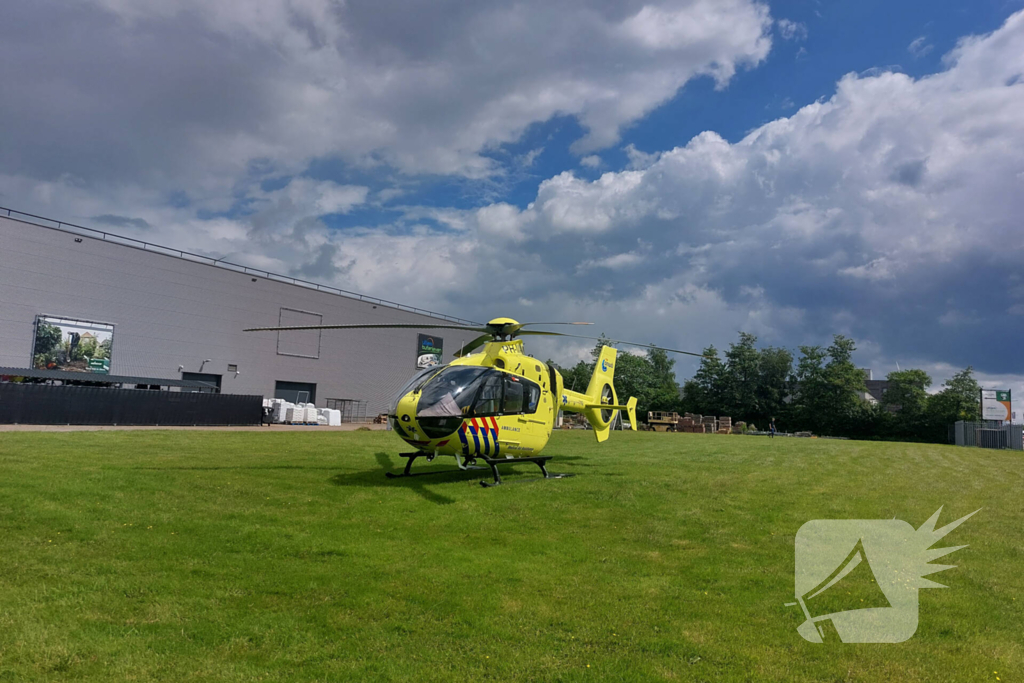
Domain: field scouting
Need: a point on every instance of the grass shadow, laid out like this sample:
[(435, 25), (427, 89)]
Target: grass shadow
[(239, 467), (376, 478)]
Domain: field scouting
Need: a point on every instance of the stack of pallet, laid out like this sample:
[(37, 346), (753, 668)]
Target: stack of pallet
[(739, 427), (691, 424), (710, 424), (725, 425)]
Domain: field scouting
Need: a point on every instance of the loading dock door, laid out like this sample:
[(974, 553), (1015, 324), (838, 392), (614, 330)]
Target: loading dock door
[(296, 392), (212, 380)]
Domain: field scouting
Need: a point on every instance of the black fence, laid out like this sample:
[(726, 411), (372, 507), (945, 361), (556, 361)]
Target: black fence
[(51, 405)]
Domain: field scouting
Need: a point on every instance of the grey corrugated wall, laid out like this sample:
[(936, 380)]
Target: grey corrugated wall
[(170, 311)]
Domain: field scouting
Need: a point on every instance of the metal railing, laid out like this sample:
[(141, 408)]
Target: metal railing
[(987, 434), (219, 262)]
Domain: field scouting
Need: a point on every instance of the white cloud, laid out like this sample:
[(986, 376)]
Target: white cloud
[(919, 47), (792, 30), (637, 159), (591, 161), (623, 261), (206, 96), (527, 160)]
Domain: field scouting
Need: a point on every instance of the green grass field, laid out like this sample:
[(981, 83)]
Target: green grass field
[(240, 556)]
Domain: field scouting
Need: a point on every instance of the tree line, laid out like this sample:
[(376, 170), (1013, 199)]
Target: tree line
[(820, 391)]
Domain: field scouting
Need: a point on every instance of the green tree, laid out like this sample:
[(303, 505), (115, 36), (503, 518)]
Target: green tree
[(827, 389), (742, 372), (958, 400), (810, 387), (901, 414), (964, 394), (634, 376), (907, 391), (844, 386), (703, 394), (775, 367), (665, 395), (575, 378)]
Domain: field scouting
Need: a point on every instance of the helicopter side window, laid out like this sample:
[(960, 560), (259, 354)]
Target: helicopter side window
[(532, 397), (513, 396), (488, 400)]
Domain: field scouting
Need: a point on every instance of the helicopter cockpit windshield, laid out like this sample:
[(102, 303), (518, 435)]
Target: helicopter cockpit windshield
[(452, 391), (413, 384)]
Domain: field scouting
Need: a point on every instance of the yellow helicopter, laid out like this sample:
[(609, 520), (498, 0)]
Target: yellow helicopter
[(496, 405)]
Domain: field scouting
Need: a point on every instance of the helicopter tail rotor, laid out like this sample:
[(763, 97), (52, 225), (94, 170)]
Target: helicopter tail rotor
[(601, 400)]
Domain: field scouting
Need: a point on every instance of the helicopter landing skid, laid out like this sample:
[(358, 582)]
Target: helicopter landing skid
[(492, 464), (412, 457), (540, 461)]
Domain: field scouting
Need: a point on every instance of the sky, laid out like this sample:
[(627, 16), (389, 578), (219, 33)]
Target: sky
[(675, 171)]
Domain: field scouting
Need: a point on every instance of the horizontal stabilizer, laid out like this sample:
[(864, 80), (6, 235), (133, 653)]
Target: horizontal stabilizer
[(604, 406)]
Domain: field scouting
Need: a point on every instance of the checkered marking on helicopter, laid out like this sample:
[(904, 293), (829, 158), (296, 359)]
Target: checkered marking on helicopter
[(484, 432)]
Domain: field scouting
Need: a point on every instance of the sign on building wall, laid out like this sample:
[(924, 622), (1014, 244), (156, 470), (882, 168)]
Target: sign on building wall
[(429, 351), (995, 405), (72, 345)]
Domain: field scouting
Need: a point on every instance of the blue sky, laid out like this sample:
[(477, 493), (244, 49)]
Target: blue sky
[(674, 170), (833, 38)]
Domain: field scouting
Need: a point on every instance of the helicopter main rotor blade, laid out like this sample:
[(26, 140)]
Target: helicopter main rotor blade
[(615, 341), (473, 345), (367, 327), (525, 324), (514, 329)]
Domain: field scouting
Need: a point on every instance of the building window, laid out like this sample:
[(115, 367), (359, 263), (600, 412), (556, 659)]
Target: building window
[(301, 343)]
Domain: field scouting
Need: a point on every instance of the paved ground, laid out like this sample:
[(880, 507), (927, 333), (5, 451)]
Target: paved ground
[(102, 428)]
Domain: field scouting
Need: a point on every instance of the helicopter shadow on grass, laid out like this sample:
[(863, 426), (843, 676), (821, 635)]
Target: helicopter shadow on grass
[(422, 485)]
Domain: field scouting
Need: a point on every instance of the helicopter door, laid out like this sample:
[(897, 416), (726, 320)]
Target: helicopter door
[(513, 396), (488, 399)]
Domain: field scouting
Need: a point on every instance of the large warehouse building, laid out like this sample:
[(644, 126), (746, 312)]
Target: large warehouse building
[(77, 300)]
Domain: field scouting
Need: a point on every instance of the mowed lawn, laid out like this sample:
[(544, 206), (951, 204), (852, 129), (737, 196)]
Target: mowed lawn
[(241, 556)]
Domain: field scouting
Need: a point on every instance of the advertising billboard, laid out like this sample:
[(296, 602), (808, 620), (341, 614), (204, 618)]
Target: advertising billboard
[(429, 351), (995, 405), (72, 345)]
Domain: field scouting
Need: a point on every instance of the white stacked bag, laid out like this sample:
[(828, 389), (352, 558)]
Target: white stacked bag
[(283, 412), (279, 406), (330, 417)]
